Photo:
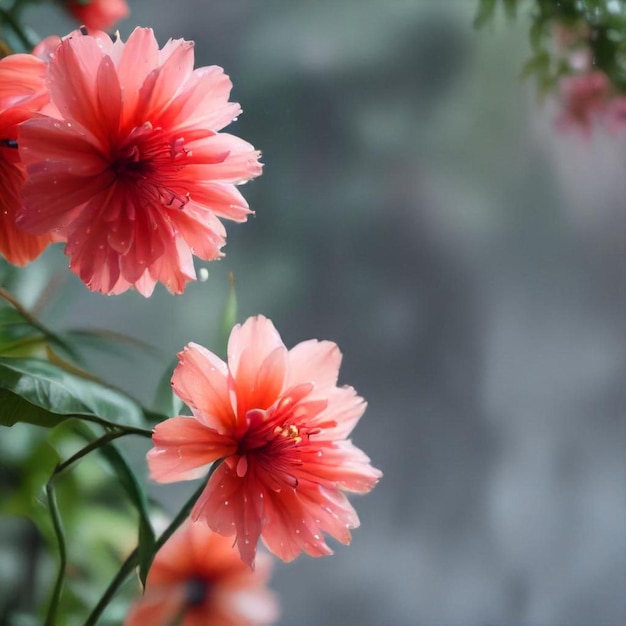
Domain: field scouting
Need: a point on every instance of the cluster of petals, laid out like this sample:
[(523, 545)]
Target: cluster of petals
[(128, 165), (280, 423), (98, 14), (22, 93), (197, 578), (588, 101)]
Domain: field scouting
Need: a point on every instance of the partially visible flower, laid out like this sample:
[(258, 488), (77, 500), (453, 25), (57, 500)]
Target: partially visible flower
[(281, 423), (197, 578), (22, 92), (584, 98), (132, 171), (98, 14)]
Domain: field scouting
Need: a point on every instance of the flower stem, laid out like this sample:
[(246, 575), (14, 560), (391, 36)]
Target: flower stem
[(183, 514), (112, 426), (133, 558), (94, 445), (58, 531)]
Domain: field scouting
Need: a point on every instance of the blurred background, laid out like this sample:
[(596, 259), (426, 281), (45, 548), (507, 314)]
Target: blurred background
[(419, 207)]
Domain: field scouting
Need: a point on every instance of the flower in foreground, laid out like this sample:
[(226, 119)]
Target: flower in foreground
[(280, 422), (99, 14), (129, 168), (197, 578), (22, 93)]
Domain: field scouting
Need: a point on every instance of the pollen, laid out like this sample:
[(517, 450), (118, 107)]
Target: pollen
[(290, 432)]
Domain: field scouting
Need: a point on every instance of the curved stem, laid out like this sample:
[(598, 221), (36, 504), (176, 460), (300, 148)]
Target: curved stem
[(183, 514), (58, 531), (112, 426), (94, 445), (133, 558)]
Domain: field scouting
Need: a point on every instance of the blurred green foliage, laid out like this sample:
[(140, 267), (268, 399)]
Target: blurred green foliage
[(598, 26)]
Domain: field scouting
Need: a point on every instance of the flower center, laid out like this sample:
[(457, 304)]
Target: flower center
[(197, 589), (152, 162), (291, 432)]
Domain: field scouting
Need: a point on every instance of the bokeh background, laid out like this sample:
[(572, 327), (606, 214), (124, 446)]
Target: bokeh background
[(419, 207)]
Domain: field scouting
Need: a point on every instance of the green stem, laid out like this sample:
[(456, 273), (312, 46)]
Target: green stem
[(183, 514), (133, 558), (58, 531), (125, 430), (94, 445)]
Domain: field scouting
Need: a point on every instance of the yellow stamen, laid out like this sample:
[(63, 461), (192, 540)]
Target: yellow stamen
[(290, 431)]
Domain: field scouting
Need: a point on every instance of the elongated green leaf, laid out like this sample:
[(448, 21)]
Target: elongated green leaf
[(137, 495), (38, 392), (135, 492), (108, 341), (229, 316), (165, 401), (14, 409), (484, 13)]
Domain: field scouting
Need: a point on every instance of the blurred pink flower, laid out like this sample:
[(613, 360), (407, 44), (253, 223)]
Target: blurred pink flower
[(198, 578), (583, 100), (132, 170), (22, 92), (281, 423), (98, 14)]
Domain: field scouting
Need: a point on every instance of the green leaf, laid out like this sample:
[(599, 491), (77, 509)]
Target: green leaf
[(510, 6), (38, 392), (485, 12), (540, 63), (135, 492), (229, 316), (165, 400), (105, 340)]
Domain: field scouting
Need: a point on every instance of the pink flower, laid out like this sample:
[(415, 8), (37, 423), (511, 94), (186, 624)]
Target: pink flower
[(198, 577), (22, 92), (280, 422), (584, 98), (132, 171), (98, 14)]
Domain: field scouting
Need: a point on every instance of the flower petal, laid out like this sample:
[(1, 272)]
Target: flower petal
[(233, 505), (315, 362), (182, 444), (201, 381)]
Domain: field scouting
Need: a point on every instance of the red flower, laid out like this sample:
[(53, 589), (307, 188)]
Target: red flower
[(280, 422), (198, 577), (98, 14), (132, 171), (22, 93)]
